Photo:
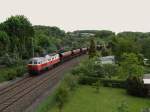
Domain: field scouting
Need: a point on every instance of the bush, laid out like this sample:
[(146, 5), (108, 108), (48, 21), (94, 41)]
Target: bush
[(114, 83), (61, 97), (20, 71), (87, 80), (9, 75), (71, 81), (89, 68), (135, 86), (97, 85)]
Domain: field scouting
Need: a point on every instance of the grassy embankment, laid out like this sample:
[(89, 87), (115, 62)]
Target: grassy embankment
[(85, 99)]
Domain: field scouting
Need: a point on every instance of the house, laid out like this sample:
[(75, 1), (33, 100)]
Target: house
[(107, 60), (146, 79)]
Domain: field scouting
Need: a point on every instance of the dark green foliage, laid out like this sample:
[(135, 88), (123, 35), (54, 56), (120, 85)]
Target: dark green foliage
[(10, 75), (135, 86), (20, 71), (4, 43), (124, 45), (145, 47), (105, 35), (110, 70), (12, 72), (105, 52), (97, 86), (86, 80), (18, 26), (130, 66), (114, 83), (61, 97), (18, 35), (11, 59), (92, 49), (89, 68), (71, 81)]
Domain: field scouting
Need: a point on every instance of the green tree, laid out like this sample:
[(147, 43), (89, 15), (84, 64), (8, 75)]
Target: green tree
[(124, 45), (92, 49), (131, 66), (4, 43), (90, 68), (110, 70), (97, 86), (20, 32), (61, 97), (146, 47)]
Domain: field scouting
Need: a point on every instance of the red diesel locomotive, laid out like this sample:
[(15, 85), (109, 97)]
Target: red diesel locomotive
[(38, 64)]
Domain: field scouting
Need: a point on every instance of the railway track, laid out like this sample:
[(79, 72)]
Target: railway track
[(30, 87)]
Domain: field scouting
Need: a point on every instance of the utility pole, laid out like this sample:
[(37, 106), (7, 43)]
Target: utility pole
[(32, 48)]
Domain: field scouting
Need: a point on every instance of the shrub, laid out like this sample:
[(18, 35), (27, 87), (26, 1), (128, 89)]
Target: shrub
[(9, 75), (20, 71), (87, 80), (97, 85), (135, 86), (89, 68), (114, 83), (71, 81), (61, 97)]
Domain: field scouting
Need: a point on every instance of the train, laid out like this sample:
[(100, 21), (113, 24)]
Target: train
[(37, 65)]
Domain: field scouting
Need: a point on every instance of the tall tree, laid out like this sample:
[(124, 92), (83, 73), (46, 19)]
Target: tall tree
[(4, 43), (92, 49), (122, 45), (131, 65), (20, 32)]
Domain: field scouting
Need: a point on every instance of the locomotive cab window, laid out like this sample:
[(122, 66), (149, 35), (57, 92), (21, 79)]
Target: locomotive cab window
[(35, 62)]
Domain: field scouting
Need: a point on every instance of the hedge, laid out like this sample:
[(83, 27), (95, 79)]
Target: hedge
[(106, 82)]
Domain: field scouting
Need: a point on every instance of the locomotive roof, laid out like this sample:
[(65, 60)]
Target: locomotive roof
[(52, 54), (37, 58)]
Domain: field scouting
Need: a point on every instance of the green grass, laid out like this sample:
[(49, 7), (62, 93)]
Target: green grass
[(107, 100)]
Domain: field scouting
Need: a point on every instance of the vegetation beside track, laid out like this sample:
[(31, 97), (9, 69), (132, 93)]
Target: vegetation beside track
[(85, 99), (10, 73)]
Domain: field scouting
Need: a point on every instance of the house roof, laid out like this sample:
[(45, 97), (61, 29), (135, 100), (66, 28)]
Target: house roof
[(108, 60)]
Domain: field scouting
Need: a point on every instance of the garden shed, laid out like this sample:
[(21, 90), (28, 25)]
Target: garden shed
[(108, 60), (146, 81)]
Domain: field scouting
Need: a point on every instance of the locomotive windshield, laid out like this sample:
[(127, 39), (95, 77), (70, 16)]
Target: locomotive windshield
[(33, 62)]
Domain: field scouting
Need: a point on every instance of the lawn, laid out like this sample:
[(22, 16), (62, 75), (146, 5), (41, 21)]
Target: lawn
[(85, 99)]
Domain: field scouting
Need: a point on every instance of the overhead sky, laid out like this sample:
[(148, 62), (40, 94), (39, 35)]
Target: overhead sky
[(115, 15)]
